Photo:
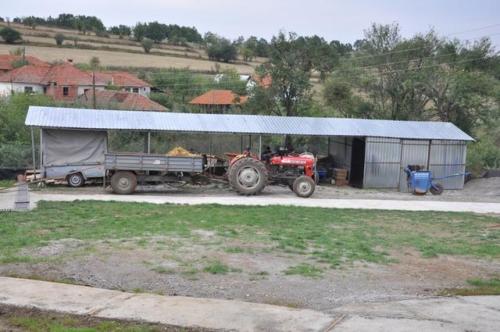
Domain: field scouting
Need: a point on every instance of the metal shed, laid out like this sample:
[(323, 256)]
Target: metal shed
[(374, 151)]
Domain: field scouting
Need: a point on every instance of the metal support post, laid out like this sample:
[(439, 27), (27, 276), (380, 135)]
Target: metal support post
[(260, 146), (33, 152)]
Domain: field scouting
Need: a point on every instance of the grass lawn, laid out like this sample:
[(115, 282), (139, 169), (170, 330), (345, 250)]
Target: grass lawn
[(6, 183), (477, 287), (31, 320), (331, 236)]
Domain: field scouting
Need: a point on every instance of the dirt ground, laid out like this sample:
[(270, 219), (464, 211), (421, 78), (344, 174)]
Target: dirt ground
[(476, 190), (175, 266)]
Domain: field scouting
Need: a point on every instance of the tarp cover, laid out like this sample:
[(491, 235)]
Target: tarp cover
[(73, 147)]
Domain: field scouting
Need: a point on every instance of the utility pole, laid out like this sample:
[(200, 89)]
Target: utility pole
[(94, 102)]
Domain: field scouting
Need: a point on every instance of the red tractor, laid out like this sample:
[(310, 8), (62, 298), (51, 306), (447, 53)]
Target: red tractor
[(248, 175)]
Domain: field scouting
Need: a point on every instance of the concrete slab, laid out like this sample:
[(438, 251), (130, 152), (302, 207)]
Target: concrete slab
[(372, 204), (479, 313), (176, 311), (367, 324)]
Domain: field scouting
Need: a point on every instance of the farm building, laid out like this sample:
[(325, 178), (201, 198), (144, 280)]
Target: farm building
[(374, 152)]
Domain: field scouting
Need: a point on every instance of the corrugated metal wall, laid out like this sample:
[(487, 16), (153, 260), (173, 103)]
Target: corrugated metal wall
[(413, 152), (447, 158), (385, 159), (382, 162)]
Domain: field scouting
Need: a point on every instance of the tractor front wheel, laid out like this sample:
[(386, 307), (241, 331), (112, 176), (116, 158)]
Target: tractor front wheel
[(304, 186), (248, 176)]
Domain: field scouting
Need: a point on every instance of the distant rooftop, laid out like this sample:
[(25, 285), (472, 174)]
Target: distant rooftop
[(219, 97), (121, 100)]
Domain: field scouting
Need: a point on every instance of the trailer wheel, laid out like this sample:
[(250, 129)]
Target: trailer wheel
[(123, 183), (248, 176), (436, 189), (75, 180), (304, 186)]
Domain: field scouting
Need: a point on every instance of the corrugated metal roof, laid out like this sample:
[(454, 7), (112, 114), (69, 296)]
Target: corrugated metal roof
[(76, 118)]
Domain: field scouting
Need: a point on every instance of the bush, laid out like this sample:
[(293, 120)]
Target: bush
[(147, 44), (162, 99), (482, 155), (59, 39), (9, 35)]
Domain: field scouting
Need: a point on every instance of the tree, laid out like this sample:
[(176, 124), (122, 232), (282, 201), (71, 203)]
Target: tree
[(221, 49), (30, 21), (156, 31), (9, 35), (95, 63), (59, 37), (290, 70), (121, 30), (138, 31), (147, 44)]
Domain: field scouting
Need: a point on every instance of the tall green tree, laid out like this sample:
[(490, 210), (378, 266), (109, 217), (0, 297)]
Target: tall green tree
[(290, 69)]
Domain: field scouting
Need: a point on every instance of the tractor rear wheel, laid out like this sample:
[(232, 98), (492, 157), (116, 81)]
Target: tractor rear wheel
[(123, 183), (436, 189), (248, 176), (304, 186)]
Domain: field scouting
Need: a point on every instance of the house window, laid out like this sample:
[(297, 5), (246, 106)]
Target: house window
[(28, 89), (44, 90), (65, 91), (136, 90)]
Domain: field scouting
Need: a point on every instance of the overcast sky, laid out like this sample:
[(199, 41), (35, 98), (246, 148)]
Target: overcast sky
[(343, 20)]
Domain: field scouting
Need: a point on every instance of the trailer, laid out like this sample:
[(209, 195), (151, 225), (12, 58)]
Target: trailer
[(125, 170)]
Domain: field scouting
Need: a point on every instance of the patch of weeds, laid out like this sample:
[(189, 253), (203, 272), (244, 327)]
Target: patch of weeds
[(480, 287), (259, 275), (142, 242), (306, 270), (190, 273), (217, 267), (282, 303), (138, 290), (57, 323), (163, 270), (234, 250)]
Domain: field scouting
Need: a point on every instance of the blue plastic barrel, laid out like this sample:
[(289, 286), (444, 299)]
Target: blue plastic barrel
[(421, 181)]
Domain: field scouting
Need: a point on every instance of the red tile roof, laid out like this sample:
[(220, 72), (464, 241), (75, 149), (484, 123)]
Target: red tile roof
[(121, 79), (121, 100), (26, 74), (219, 97), (62, 74), (7, 61), (67, 74)]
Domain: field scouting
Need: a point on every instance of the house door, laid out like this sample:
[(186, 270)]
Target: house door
[(413, 152)]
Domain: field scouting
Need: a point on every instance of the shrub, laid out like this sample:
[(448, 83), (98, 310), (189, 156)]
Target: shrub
[(9, 35), (147, 44), (162, 99), (59, 39)]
